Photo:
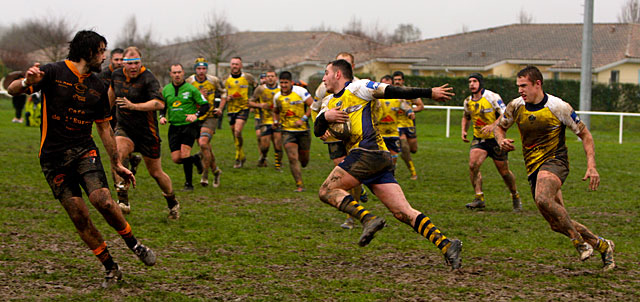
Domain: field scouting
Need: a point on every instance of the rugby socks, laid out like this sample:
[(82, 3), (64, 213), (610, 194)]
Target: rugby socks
[(425, 227), (412, 168), (353, 208), (514, 196), (602, 245), (102, 252), (481, 196), (187, 166), (171, 200), (278, 159), (128, 237), (239, 151)]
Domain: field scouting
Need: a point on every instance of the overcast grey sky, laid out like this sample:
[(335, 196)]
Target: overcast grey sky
[(184, 18)]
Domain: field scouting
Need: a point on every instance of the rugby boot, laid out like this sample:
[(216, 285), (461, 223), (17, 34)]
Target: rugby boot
[(477, 203), (299, 190), (262, 162), (452, 256), (204, 181), (123, 198), (237, 164), (607, 257), (134, 161), (584, 249), (517, 203), (348, 224), (174, 213), (112, 277), (369, 229), (188, 187), (145, 254), (216, 177)]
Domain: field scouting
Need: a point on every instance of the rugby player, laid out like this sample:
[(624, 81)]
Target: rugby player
[(368, 160), (73, 99), (407, 128), (290, 112), (482, 110), (115, 62), (236, 98), (542, 119), (181, 105), (337, 150), (388, 111), (208, 86), (262, 100), (136, 93)]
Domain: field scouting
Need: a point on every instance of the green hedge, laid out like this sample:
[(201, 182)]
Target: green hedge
[(614, 98)]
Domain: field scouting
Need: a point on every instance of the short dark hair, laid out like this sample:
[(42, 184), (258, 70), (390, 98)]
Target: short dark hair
[(285, 75), (85, 45), (398, 73), (117, 51), (386, 77), (344, 67), (532, 73), (236, 57), (176, 64)]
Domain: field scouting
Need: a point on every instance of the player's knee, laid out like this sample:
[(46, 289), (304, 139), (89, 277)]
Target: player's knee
[(101, 199)]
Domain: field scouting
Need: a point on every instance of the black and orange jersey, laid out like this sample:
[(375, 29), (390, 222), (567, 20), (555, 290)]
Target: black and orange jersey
[(141, 89), (542, 128), (356, 100), (71, 102), (105, 75), (482, 112)]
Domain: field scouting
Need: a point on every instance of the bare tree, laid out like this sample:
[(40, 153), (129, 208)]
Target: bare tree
[(354, 28), (524, 17), (406, 33), (148, 45), (630, 12), (321, 27), (46, 39), (216, 43), (463, 29)]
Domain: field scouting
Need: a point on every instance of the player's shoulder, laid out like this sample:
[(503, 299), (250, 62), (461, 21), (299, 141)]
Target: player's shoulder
[(190, 79), (212, 78), (555, 103), (491, 95), (301, 91), (277, 95), (248, 76)]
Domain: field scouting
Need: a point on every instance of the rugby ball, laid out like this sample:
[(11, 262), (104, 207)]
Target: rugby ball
[(341, 131)]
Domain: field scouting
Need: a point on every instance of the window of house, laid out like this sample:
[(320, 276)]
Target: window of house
[(615, 76), (415, 72), (556, 75)]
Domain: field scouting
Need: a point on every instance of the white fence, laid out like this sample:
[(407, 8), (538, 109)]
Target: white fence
[(620, 114)]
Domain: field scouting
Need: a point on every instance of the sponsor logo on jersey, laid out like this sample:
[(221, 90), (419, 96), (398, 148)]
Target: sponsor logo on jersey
[(373, 85), (532, 118), (575, 117)]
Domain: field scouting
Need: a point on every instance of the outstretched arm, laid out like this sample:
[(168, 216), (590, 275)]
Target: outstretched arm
[(441, 93), (589, 150)]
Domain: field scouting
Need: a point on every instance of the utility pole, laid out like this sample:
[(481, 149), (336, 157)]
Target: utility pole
[(585, 73)]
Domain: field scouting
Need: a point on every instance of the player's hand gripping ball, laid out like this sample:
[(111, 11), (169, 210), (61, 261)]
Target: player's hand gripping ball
[(341, 131)]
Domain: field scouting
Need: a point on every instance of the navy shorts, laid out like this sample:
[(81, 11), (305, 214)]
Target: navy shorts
[(369, 167)]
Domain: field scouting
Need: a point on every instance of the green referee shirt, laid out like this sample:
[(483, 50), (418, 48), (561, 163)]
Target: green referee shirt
[(180, 101)]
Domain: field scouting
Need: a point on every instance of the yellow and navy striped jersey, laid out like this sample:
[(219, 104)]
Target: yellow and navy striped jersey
[(238, 91), (542, 128), (264, 94), (292, 108), (388, 113), (483, 112), (403, 120), (356, 99), (208, 89)]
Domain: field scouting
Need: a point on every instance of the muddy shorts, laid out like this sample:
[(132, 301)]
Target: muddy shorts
[(369, 167), (302, 138), (210, 123), (145, 141), (336, 150), (268, 129), (558, 166), (393, 143), (409, 132), (183, 135), (78, 167), (256, 124), (240, 115), (491, 146)]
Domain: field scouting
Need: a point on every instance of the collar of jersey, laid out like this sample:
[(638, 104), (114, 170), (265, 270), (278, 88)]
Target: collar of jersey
[(142, 69), (481, 95), (75, 71), (339, 94), (236, 76), (538, 106)]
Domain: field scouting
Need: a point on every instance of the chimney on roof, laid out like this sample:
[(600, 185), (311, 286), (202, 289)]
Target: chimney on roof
[(469, 54), (612, 29), (483, 54)]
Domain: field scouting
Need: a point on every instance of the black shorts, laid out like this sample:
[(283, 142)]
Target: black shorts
[(557, 166), (409, 132), (337, 150), (240, 115), (369, 167), (66, 174), (302, 138), (210, 123), (268, 129), (491, 146), (256, 124), (145, 142), (393, 143), (183, 135)]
